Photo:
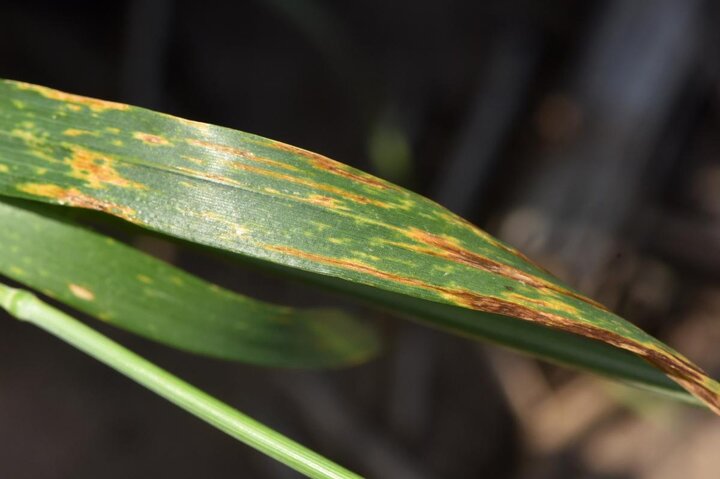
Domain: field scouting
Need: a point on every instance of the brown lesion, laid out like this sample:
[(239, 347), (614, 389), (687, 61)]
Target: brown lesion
[(76, 198), (314, 185), (671, 363), (348, 264), (449, 248), (152, 140), (302, 181), (452, 217), (325, 202), (703, 392), (326, 164), (243, 153)]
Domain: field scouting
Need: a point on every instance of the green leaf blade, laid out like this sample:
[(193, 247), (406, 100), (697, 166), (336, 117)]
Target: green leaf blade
[(124, 287), (274, 202)]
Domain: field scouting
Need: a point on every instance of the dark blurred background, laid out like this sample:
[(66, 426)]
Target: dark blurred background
[(584, 133)]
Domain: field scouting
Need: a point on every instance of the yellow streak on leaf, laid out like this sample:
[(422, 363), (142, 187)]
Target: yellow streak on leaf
[(47, 191), (74, 101), (450, 248), (153, 140), (26, 136), (35, 144), (4, 168), (320, 226), (76, 132), (324, 201), (191, 159), (144, 279), (314, 185), (74, 197), (463, 223), (17, 271), (545, 303), (81, 292), (338, 240), (240, 153), (197, 125), (97, 170), (324, 163), (362, 254)]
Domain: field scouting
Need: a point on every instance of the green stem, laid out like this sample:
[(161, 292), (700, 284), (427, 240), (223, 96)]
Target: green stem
[(27, 307)]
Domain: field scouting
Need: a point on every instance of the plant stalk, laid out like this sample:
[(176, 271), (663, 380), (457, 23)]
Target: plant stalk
[(25, 306)]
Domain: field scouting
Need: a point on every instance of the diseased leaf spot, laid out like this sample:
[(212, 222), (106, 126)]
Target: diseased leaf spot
[(226, 152), (324, 163), (81, 292), (97, 170), (450, 249), (144, 279), (673, 364), (153, 140), (77, 132), (25, 135), (314, 185), (200, 127), (212, 177), (74, 101), (239, 153), (325, 202), (74, 197), (192, 159), (16, 271), (462, 222)]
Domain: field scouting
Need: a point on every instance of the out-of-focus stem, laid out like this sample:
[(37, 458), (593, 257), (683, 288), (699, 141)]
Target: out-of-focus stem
[(28, 307)]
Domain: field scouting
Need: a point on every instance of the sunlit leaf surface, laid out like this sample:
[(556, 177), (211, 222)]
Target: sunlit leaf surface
[(132, 290), (275, 202)]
